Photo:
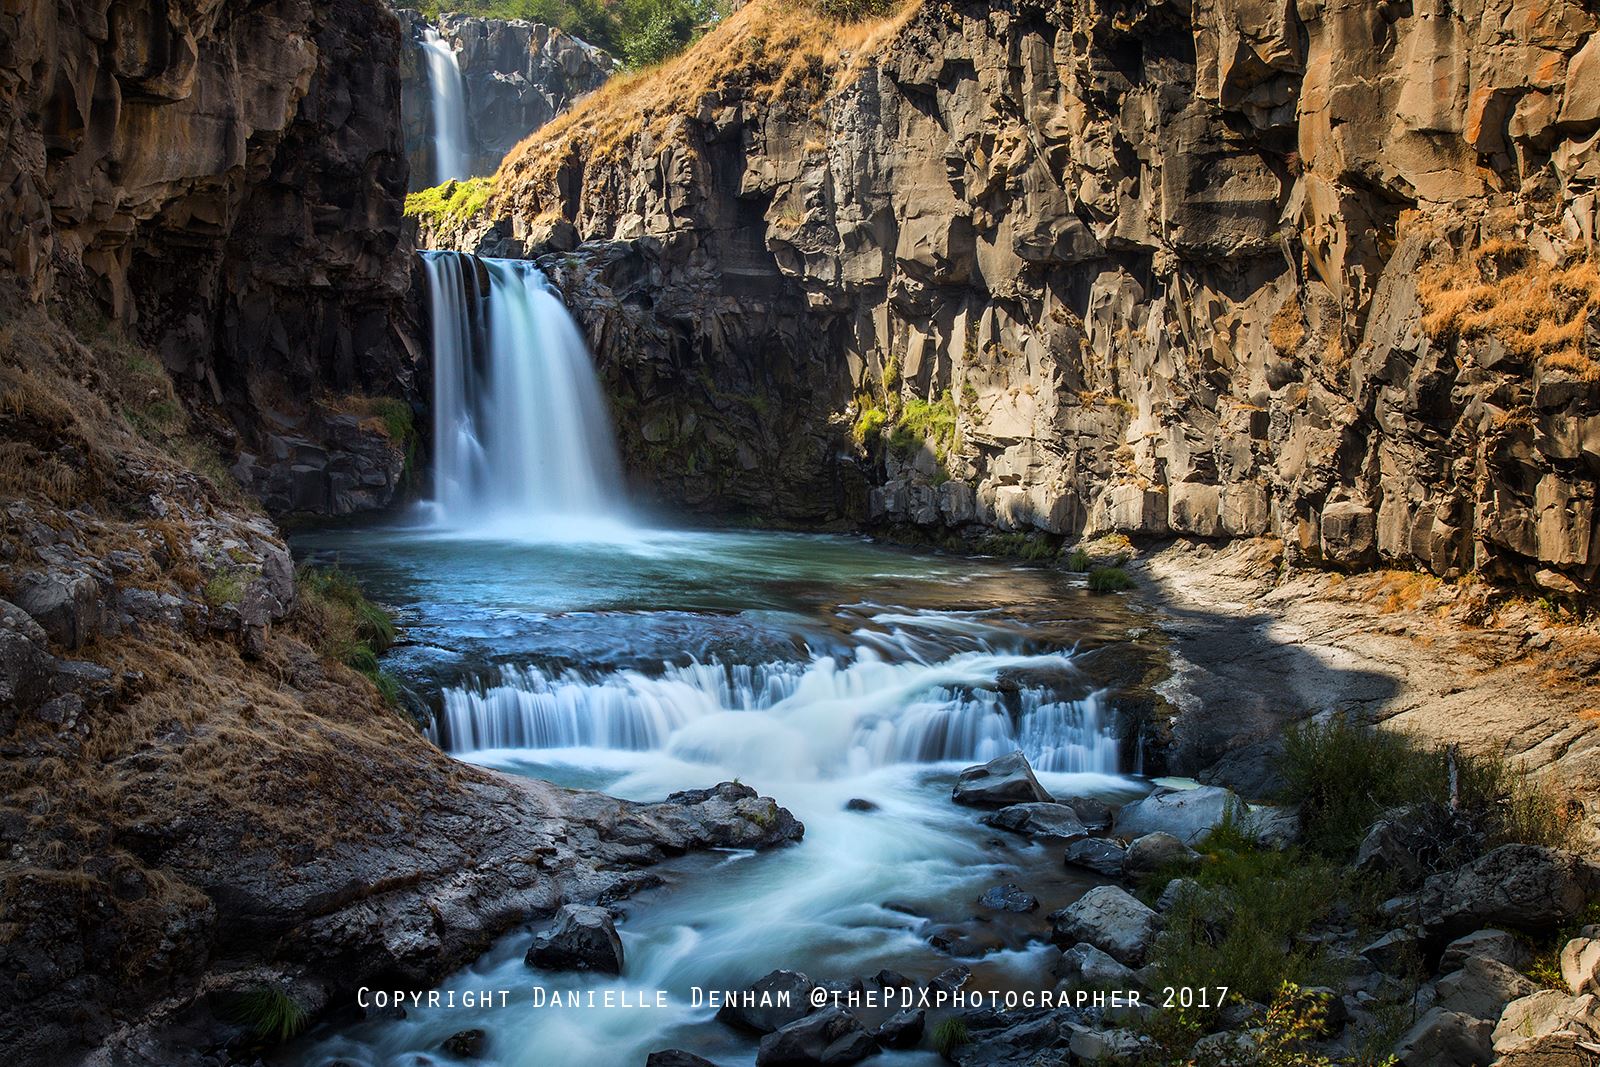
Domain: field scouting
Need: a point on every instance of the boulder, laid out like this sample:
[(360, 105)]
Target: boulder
[(777, 999), (466, 1044), (1481, 988), (1010, 898), (1110, 919), (1446, 1039), (903, 1029), (1175, 890), (1395, 951), (860, 804), (1083, 965), (1097, 854), (1494, 945), (1580, 965), (1043, 820), (1152, 852), (950, 979), (830, 1036), (1525, 887), (1003, 781), (1105, 1046), (24, 664), (1388, 849), (676, 1057), (583, 939), (1187, 814), (68, 605), (1094, 814), (1547, 1024), (1274, 827)]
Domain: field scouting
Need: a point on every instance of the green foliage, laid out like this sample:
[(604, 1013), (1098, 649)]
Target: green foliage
[(225, 587), (347, 626), (453, 201), (1344, 776), (1544, 959), (868, 427), (272, 1015), (924, 422), (950, 1035), (1078, 561), (1110, 580), (641, 32), (1019, 545)]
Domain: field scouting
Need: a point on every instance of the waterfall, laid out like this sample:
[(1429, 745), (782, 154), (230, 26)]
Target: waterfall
[(521, 432), (452, 154), (821, 718)]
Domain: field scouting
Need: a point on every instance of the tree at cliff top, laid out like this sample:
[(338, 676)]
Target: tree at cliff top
[(643, 32)]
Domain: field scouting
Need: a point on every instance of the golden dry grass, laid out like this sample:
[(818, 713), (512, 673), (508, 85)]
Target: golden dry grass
[(1287, 328), (773, 50), (1501, 289)]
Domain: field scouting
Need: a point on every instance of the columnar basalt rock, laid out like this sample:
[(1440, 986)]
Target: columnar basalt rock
[(228, 181), (1160, 269)]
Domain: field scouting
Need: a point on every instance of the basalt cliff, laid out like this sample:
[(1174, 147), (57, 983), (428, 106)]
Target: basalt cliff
[(1318, 270)]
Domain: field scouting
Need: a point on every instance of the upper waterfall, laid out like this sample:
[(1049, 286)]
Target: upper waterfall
[(447, 93), (522, 435)]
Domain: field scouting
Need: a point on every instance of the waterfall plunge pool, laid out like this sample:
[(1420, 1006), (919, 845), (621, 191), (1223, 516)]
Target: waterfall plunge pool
[(817, 669)]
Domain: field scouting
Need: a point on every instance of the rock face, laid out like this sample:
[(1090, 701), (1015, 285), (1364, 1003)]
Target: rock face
[(518, 76), (227, 181), (1118, 267)]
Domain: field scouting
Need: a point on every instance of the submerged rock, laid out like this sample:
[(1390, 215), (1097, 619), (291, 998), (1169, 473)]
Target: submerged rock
[(583, 939), (1010, 898), (1003, 781), (676, 1057), (830, 1036), (466, 1044), (770, 1003)]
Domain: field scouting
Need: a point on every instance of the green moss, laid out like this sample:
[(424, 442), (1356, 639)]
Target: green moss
[(454, 201), (923, 422), (1110, 580), (349, 627), (225, 587), (868, 427)]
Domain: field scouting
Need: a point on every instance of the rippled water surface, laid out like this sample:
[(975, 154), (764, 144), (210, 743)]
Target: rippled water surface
[(817, 669)]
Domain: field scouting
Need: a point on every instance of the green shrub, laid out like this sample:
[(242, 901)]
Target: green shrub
[(1109, 580), (1078, 561), (869, 425), (453, 201), (271, 1014), (925, 422), (950, 1035), (345, 626)]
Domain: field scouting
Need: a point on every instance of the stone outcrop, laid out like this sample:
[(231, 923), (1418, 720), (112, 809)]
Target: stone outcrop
[(518, 76), (1079, 267), (227, 181)]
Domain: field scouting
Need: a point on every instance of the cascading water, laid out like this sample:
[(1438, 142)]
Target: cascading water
[(447, 90), (522, 437)]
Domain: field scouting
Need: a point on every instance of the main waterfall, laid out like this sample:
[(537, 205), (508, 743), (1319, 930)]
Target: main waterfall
[(447, 90), (522, 437)]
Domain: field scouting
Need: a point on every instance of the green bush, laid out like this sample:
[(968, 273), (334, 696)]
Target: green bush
[(272, 1015), (1078, 561), (1109, 580), (950, 1035), (925, 422), (346, 626), (451, 201), (868, 427), (641, 32)]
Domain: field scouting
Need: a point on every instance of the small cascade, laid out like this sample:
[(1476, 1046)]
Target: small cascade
[(447, 90), (822, 718), (522, 435)]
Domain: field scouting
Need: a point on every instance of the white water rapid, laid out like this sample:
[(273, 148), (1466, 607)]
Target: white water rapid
[(447, 90), (522, 437)]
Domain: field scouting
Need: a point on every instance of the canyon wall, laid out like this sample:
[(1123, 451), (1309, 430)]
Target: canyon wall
[(1321, 270), (518, 76), (228, 181)]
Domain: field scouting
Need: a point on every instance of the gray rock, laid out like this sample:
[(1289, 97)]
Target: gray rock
[(859, 804), (1525, 887), (1547, 1024), (466, 1044), (24, 664), (1043, 820), (583, 939), (1494, 945), (778, 999), (1580, 965), (1097, 854), (1175, 890), (830, 1036), (1481, 988), (1396, 951), (676, 1057), (1274, 827), (1443, 1038), (1249, 770), (1010, 898), (950, 979), (1187, 814), (1389, 849), (1105, 1046), (1083, 965), (69, 606), (1152, 852), (1001, 782), (1094, 814), (1110, 919), (903, 1029)]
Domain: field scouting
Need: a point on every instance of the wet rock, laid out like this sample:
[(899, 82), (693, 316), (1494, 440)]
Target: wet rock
[(859, 804), (1085, 965), (1442, 1038), (1494, 945), (736, 814), (830, 1036), (887, 979), (1112, 920), (1094, 814), (1001, 782), (583, 939), (1150, 853), (903, 1029), (950, 979), (1010, 898), (1187, 814), (955, 940), (775, 1000), (676, 1057), (1580, 965), (1481, 988), (1043, 820), (466, 1044), (1525, 887), (1097, 854)]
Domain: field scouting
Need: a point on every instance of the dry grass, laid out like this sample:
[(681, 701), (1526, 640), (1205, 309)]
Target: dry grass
[(1287, 329), (1395, 591), (1501, 289), (772, 50)]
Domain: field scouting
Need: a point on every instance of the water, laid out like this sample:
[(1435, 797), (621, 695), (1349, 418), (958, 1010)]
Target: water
[(452, 151), (522, 436), (817, 669)]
